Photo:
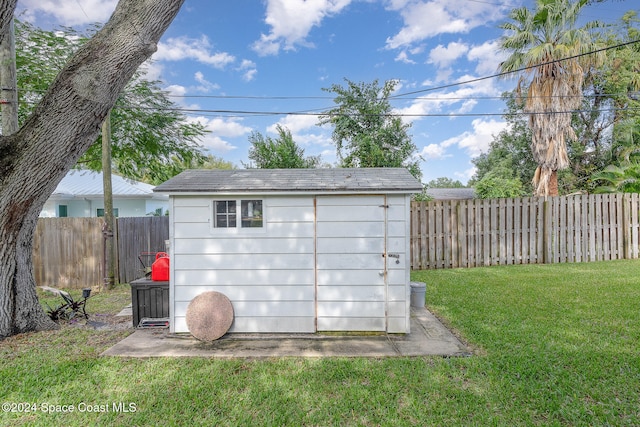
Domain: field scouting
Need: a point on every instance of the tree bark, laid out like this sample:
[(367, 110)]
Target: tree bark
[(7, 8), (64, 124)]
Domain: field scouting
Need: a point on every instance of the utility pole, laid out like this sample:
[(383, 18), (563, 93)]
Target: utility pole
[(107, 229), (8, 82)]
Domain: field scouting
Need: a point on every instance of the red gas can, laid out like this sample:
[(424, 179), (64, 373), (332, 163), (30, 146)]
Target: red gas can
[(160, 267)]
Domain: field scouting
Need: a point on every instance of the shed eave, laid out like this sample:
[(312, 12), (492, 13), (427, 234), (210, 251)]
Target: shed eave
[(287, 193)]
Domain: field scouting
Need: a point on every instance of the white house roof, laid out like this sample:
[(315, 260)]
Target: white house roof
[(83, 183), (335, 180)]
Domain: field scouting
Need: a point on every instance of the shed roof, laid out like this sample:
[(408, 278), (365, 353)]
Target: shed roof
[(336, 180), (451, 193)]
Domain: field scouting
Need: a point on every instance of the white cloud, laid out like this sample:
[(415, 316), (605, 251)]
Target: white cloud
[(292, 20), (249, 69), (177, 93), (205, 85), (477, 141), (432, 151), (152, 70), (425, 19), (404, 57), (295, 123), (467, 174), (219, 129), (176, 90), (249, 75), (70, 13), (228, 127), (443, 56), (488, 57), (179, 48), (460, 101)]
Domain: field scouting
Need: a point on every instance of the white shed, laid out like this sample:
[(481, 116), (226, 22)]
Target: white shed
[(295, 250)]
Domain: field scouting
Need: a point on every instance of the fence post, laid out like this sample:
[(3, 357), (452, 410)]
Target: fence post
[(461, 258), (626, 227), (547, 232)]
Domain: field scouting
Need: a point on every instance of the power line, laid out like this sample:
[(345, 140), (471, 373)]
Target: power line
[(519, 70), (401, 96), (245, 113)]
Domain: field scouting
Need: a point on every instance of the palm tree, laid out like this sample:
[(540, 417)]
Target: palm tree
[(538, 42)]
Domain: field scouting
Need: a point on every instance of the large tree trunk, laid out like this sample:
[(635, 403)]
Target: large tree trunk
[(545, 182), (61, 128)]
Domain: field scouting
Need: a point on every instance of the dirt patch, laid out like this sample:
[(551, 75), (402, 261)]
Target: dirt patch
[(101, 322)]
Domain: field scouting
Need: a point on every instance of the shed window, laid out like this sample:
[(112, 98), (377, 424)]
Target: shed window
[(225, 214)]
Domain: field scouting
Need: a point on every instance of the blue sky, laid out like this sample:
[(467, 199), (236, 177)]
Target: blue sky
[(273, 57)]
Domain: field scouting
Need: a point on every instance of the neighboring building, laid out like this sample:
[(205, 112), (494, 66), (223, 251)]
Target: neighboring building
[(294, 250), (80, 194), (451, 193)]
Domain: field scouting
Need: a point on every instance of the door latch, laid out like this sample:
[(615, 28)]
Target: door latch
[(396, 256)]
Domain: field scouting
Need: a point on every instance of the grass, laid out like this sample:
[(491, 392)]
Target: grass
[(555, 345)]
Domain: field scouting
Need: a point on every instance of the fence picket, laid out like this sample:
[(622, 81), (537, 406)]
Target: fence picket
[(68, 252), (479, 232)]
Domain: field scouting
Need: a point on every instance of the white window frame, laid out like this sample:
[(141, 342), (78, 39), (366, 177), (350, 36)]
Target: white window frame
[(238, 229)]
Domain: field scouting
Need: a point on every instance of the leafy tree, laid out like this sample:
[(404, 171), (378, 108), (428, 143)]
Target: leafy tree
[(444, 182), (499, 183), (365, 130), (61, 128), (617, 83), (282, 152), (148, 133), (537, 39), (211, 162)]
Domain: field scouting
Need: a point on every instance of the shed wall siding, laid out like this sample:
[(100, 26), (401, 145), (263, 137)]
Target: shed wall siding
[(267, 274), (398, 288), (321, 262), (353, 301)]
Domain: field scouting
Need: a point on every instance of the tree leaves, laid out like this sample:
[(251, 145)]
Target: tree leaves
[(150, 138), (365, 130), (283, 152)]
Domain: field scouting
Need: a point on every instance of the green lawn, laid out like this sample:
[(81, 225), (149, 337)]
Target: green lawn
[(554, 344)]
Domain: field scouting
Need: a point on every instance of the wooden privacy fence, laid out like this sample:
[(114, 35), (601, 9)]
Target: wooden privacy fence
[(484, 232), (444, 234), (68, 252)]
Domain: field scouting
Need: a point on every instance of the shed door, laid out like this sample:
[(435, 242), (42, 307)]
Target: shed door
[(350, 266)]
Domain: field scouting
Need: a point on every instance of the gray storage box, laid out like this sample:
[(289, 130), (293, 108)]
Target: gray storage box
[(149, 299)]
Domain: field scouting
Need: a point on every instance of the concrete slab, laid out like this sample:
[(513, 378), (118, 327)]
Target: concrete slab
[(428, 337), (127, 311)]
